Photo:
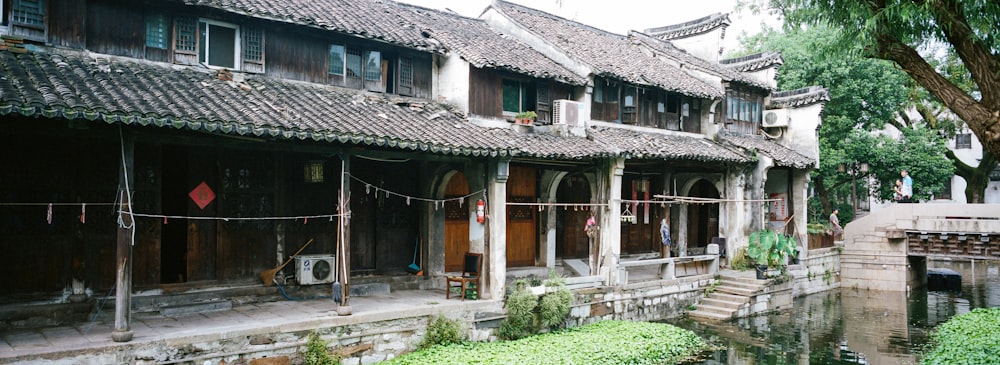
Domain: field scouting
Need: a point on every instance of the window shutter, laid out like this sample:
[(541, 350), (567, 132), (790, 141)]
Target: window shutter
[(253, 49), (186, 40), (543, 106)]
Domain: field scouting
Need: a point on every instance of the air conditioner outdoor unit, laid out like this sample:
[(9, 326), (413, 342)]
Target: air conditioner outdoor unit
[(776, 118), (567, 112), (315, 269)]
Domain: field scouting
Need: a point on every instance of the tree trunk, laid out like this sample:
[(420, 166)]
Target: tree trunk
[(976, 178)]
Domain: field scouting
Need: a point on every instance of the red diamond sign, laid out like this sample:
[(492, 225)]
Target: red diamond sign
[(202, 195)]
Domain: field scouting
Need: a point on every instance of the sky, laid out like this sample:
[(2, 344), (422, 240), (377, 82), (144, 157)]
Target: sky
[(620, 16)]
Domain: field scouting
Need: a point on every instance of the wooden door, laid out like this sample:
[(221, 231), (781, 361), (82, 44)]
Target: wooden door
[(522, 235), (456, 223), (703, 219), (571, 239)]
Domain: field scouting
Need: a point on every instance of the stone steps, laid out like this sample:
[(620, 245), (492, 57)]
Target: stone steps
[(730, 294)]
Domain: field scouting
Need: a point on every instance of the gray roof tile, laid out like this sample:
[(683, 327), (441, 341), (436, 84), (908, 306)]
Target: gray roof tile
[(799, 97), (754, 62), (608, 54), (667, 49), (783, 156), (372, 19), (656, 145), (483, 47)]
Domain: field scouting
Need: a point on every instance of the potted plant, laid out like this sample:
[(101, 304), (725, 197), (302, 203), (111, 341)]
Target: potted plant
[(525, 117), (769, 250)]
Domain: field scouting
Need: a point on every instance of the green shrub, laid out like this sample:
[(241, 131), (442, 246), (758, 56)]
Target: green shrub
[(555, 304), (816, 228), (318, 351), (442, 331), (739, 260), (970, 338), (520, 306)]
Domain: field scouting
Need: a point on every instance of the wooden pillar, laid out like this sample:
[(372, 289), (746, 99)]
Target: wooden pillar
[(126, 230), (344, 245)]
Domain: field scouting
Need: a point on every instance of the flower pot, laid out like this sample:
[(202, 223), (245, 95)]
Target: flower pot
[(761, 271)]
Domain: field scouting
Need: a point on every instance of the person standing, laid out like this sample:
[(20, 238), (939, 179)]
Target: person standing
[(665, 238), (835, 224), (907, 190)]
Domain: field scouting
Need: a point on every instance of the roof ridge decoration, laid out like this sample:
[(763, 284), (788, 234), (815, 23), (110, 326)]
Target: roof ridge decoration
[(754, 62), (799, 97), (607, 54), (690, 28)]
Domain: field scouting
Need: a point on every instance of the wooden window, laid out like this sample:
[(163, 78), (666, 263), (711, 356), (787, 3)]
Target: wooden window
[(29, 13), (217, 44), (253, 49), (743, 110), (353, 62), (337, 55), (518, 96), (963, 140), (186, 35), (405, 76), (373, 66), (946, 192), (157, 34), (543, 104)]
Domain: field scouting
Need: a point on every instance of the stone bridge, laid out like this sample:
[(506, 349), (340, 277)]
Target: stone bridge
[(888, 249)]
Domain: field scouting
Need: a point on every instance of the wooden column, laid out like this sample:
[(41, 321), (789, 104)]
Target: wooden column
[(126, 229), (344, 241)]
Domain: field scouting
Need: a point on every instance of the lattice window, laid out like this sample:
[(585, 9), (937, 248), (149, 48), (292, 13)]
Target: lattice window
[(405, 71), (253, 44), (353, 62), (373, 66), (156, 31), (963, 141), (337, 54), (186, 35), (28, 12)]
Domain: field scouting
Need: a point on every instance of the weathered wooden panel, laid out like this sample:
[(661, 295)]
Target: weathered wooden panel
[(422, 75), (456, 223), (644, 235), (116, 28), (522, 234), (485, 93), (146, 200), (66, 26), (388, 224), (571, 240), (297, 56)]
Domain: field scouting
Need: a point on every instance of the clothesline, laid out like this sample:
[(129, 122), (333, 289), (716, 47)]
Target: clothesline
[(695, 199), (459, 199), (304, 217)]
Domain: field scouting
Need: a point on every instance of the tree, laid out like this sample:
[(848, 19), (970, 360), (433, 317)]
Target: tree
[(898, 30), (865, 95)]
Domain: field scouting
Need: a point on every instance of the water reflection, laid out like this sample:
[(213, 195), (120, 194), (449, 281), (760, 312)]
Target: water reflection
[(851, 326)]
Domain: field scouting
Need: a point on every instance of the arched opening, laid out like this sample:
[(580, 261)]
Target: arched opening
[(456, 222), (571, 239), (702, 219)]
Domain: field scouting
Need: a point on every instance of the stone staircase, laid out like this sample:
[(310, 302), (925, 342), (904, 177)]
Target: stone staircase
[(731, 295)]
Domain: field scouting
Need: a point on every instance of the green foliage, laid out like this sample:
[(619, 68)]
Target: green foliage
[(607, 342), (816, 228), (442, 331), (527, 115), (554, 306), (770, 248), (318, 351), (520, 307), (970, 338), (739, 260)]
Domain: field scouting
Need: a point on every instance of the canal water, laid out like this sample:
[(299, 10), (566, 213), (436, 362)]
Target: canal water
[(850, 326)]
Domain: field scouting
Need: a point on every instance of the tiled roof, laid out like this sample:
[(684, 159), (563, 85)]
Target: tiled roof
[(688, 60), (690, 28), (608, 54), (754, 62), (373, 19), (656, 145), (799, 97), (482, 46), (549, 146), (118, 90), (783, 156)]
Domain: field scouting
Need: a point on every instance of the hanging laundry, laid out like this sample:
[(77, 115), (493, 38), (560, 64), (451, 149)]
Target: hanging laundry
[(83, 213), (48, 214)]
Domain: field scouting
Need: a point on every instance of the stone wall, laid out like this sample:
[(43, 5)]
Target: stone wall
[(646, 301), (817, 273)]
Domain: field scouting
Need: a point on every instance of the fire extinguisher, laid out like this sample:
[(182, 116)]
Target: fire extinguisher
[(480, 211)]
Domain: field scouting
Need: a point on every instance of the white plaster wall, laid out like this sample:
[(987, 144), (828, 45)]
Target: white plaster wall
[(707, 46), (802, 133), (510, 28), (451, 79), (768, 76)]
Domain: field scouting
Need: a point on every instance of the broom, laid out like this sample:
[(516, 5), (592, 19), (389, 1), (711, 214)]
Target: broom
[(414, 268), (268, 275)]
